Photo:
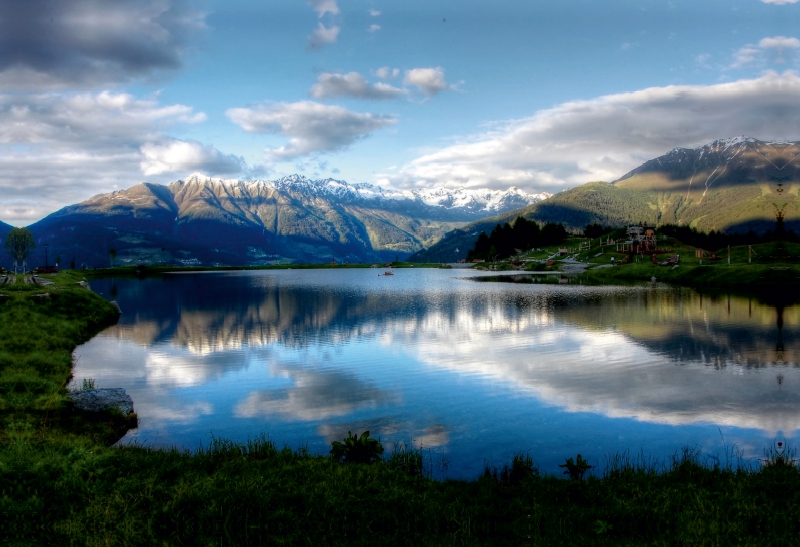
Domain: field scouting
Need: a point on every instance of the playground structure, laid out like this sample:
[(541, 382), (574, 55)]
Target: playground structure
[(641, 241)]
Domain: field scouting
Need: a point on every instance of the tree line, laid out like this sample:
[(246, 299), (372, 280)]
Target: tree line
[(714, 239), (508, 239)]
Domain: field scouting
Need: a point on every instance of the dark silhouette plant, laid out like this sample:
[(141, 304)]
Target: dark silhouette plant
[(521, 470), (355, 449), (576, 469)]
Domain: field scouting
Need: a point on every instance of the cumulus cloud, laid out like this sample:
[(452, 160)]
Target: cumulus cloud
[(775, 49), (429, 80), (324, 6), (779, 42), (311, 127), (352, 84), (323, 36), (603, 138), (385, 72), (52, 43), (58, 149), (375, 13), (177, 156), (374, 28)]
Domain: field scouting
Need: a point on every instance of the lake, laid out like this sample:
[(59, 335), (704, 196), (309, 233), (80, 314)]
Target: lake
[(472, 372)]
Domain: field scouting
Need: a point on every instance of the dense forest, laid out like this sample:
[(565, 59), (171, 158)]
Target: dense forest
[(508, 239)]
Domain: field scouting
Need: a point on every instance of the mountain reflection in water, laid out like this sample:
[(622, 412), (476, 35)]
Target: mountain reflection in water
[(475, 369)]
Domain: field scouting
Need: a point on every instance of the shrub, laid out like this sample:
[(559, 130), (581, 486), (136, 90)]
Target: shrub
[(355, 449), (576, 469)]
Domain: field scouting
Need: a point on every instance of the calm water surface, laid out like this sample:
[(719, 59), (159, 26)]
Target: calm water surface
[(473, 371)]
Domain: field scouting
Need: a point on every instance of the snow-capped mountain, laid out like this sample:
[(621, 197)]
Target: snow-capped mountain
[(723, 157), (482, 201), (203, 219)]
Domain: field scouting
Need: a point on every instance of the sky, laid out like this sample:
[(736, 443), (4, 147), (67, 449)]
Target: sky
[(97, 96)]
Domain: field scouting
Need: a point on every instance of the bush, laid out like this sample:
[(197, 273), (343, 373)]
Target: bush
[(355, 449)]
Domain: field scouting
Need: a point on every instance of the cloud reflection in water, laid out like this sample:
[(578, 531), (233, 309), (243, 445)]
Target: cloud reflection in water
[(287, 347)]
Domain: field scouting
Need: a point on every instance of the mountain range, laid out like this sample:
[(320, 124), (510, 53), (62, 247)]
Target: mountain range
[(734, 185), (204, 220)]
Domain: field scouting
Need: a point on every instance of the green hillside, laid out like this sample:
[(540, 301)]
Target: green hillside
[(733, 186)]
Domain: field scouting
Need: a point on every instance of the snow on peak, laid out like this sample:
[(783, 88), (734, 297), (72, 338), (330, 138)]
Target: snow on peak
[(481, 199), (729, 142)]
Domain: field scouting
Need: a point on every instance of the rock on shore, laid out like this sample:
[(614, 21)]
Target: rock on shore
[(98, 400)]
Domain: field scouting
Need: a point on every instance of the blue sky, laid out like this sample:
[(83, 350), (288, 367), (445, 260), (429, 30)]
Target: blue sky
[(98, 96)]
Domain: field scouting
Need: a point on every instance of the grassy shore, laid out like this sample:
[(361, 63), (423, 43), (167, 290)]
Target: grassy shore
[(66, 493), (40, 325), (62, 483), (768, 271), (772, 275)]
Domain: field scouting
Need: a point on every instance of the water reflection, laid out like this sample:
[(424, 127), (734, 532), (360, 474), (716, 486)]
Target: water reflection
[(315, 394), (446, 361)]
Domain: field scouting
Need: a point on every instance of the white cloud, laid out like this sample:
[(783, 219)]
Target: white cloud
[(385, 72), (323, 36), (775, 49), (779, 2), (60, 149), (52, 43), (324, 6), (375, 13), (429, 80), (352, 84), (603, 138), (311, 127), (745, 56), (779, 42), (177, 156), (374, 28)]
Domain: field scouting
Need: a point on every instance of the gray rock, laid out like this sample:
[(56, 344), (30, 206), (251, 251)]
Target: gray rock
[(98, 400)]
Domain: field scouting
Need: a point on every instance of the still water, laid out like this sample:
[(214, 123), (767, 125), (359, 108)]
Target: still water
[(470, 371)]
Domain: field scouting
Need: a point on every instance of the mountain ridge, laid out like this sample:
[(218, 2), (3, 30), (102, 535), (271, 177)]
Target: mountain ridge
[(208, 220), (734, 185)]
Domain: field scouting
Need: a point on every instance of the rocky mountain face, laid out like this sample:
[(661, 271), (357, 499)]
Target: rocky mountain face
[(203, 220), (734, 185)]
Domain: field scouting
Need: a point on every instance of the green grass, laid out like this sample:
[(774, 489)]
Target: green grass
[(772, 276), (231, 494), (39, 328)]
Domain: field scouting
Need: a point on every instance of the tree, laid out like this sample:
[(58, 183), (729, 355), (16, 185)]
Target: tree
[(112, 254), (20, 244)]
